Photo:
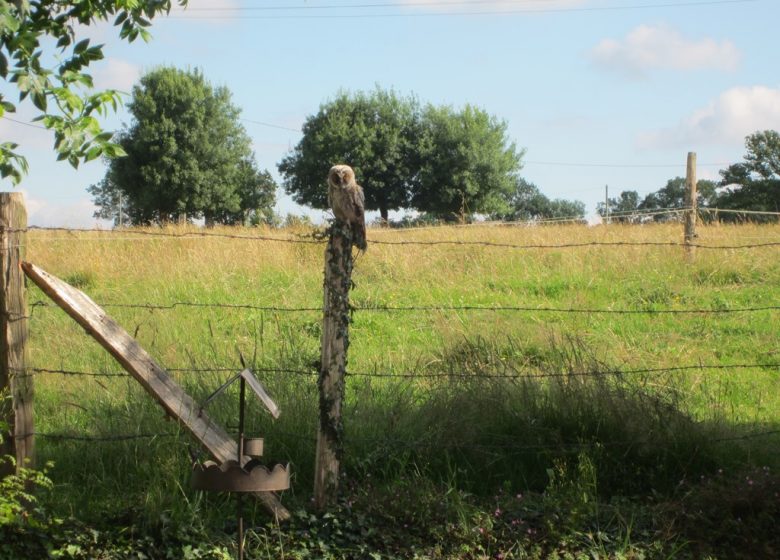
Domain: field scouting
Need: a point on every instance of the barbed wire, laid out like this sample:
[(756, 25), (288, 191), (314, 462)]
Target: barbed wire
[(174, 235), (98, 439), (513, 445), (572, 245), (413, 308), (476, 375), (407, 444), (737, 211)]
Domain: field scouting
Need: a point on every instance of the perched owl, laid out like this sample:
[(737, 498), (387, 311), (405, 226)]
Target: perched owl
[(346, 199)]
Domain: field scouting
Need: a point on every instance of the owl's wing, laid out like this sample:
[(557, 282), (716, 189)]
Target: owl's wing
[(358, 201)]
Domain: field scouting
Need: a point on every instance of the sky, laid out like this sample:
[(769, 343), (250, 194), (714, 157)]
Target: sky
[(597, 92)]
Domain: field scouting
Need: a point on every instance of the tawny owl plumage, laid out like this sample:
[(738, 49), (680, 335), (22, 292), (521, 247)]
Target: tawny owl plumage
[(346, 199)]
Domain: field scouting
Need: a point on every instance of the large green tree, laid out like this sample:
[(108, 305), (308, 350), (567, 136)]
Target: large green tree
[(188, 156), (437, 160), (377, 133), (754, 184), (468, 163), (42, 56), (527, 202)]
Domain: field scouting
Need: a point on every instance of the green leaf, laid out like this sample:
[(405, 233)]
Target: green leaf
[(39, 100), (93, 153), (81, 46)]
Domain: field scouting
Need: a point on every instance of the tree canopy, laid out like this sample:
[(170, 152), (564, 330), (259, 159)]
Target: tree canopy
[(468, 165), (438, 160), (628, 208), (187, 156), (527, 203), (34, 33), (377, 133), (754, 184)]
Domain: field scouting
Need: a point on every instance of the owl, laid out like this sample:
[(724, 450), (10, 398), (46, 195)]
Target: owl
[(346, 199)]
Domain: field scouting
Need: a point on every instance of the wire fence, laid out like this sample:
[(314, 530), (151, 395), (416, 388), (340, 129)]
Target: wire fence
[(474, 375), (429, 308), (317, 238), (113, 438)]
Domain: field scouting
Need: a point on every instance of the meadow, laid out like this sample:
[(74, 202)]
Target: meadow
[(618, 379)]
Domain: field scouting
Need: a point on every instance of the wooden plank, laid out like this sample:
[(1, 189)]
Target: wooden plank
[(15, 380), (262, 394), (335, 341), (145, 370)]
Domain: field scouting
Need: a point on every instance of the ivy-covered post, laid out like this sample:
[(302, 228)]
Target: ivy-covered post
[(335, 342), (16, 384)]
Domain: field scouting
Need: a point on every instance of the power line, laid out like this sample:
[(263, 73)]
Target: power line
[(31, 125), (272, 125), (531, 162), (620, 165), (410, 14)]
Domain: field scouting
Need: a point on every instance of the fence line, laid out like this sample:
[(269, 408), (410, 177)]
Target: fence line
[(435, 375), (413, 308), (314, 241), (411, 445), (735, 211)]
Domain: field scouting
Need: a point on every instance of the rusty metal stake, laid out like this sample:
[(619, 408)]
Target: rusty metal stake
[(240, 497)]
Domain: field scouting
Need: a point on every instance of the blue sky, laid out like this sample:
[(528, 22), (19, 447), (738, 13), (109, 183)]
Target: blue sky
[(598, 92)]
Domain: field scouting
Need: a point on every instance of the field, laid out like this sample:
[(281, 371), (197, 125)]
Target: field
[(623, 401)]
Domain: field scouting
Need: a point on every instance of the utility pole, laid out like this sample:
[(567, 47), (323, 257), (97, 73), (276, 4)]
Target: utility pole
[(120, 209)]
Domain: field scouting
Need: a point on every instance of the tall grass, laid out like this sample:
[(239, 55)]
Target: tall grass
[(471, 430)]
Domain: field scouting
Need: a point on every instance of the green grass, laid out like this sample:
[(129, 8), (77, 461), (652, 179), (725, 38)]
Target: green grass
[(635, 434)]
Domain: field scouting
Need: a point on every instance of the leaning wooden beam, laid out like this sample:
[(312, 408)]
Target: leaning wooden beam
[(146, 371)]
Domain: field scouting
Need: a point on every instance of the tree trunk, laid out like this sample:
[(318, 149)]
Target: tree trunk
[(383, 212)]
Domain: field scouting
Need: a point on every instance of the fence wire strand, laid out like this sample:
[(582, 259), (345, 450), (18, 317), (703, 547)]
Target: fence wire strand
[(428, 308), (476, 375), (317, 238), (489, 446)]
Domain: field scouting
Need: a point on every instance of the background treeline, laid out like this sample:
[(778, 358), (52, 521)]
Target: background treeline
[(753, 185), (189, 157)]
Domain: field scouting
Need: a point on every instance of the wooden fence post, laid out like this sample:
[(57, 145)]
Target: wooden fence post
[(335, 341), (692, 204), (16, 385)]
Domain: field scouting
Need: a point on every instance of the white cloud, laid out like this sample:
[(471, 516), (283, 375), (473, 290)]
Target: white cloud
[(736, 113), (116, 74), (78, 214), (650, 47)]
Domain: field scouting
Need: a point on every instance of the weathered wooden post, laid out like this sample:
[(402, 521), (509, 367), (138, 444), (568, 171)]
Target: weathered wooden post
[(692, 205), (335, 342), (16, 385)]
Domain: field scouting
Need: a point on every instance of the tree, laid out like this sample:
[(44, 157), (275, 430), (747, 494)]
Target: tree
[(187, 156), (621, 209), (64, 94), (468, 164), (437, 160), (527, 203), (672, 196), (376, 133), (755, 183)]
